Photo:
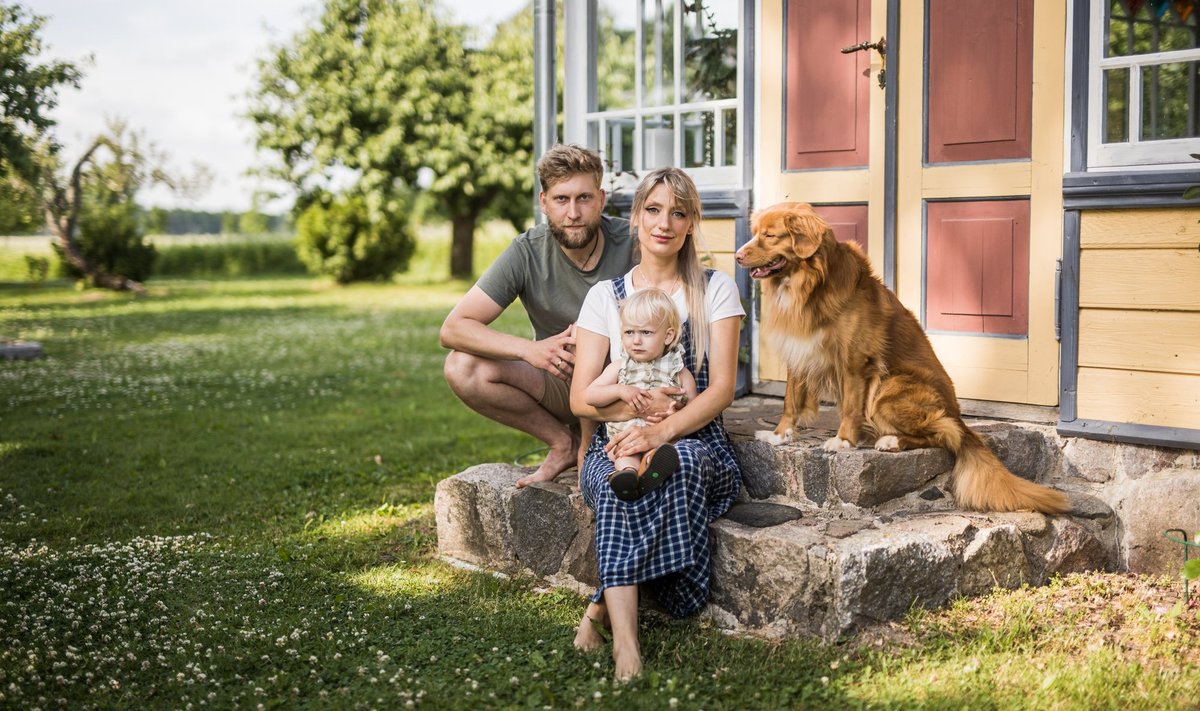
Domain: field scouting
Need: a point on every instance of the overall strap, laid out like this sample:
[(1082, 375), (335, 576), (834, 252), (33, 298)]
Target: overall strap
[(618, 287)]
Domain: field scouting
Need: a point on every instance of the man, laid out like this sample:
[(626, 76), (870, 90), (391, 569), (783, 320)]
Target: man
[(523, 383)]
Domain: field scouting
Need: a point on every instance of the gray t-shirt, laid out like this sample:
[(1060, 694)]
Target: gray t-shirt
[(534, 269)]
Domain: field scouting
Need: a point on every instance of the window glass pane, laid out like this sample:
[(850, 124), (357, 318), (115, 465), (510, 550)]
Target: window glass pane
[(731, 137), (699, 139), (658, 51), (1116, 103), (1169, 105), (658, 142), (618, 145), (1149, 26), (710, 50), (615, 54)]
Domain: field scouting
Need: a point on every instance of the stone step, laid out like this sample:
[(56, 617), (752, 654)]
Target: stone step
[(784, 566), (801, 470)]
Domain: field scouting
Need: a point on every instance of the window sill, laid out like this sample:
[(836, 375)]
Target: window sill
[(1129, 188)]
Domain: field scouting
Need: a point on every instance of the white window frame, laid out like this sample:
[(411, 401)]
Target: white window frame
[(1134, 153), (719, 176)]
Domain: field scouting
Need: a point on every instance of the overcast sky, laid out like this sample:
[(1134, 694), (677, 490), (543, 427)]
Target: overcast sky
[(179, 71)]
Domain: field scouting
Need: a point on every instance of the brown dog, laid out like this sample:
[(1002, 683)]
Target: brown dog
[(842, 334)]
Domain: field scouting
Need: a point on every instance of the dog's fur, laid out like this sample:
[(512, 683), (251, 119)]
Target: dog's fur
[(843, 335)]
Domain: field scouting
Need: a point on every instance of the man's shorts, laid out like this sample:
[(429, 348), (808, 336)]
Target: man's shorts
[(557, 399)]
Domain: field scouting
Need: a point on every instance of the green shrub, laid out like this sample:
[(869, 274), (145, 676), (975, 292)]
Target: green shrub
[(347, 238), (36, 269), (224, 257), (111, 238)]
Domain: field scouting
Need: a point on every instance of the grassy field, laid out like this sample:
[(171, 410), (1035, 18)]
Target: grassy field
[(220, 496)]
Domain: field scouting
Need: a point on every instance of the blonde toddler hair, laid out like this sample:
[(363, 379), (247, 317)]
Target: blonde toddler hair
[(652, 307)]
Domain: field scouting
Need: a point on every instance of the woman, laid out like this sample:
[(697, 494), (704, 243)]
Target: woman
[(661, 539)]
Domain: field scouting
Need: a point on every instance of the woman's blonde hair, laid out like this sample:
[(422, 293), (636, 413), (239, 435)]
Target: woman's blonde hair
[(652, 307), (691, 273)]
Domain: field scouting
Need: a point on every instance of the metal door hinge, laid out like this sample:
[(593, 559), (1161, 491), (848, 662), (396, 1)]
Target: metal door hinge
[(1058, 300)]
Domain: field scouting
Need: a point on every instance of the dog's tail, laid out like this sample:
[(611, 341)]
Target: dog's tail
[(983, 483)]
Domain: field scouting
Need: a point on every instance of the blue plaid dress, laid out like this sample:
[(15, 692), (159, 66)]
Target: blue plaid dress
[(661, 540)]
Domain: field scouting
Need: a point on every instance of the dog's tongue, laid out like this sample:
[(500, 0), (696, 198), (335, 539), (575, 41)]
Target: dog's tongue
[(766, 270)]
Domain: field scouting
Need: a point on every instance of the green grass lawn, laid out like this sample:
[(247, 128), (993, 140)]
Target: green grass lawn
[(220, 495)]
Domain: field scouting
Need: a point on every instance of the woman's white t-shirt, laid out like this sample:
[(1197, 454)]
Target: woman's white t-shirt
[(599, 313)]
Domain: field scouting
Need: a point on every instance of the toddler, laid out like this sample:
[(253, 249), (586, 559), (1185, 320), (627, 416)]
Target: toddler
[(651, 357)]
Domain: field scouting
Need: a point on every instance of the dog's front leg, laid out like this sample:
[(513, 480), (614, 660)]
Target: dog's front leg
[(851, 404), (800, 407)]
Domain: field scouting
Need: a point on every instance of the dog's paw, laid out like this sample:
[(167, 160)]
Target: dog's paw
[(773, 438), (888, 443), (837, 444)]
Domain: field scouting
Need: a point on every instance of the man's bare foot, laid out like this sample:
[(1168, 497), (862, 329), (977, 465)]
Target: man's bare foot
[(627, 662), (557, 461), (588, 637)]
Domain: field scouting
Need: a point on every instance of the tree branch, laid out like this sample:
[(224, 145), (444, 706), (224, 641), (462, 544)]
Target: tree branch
[(62, 212)]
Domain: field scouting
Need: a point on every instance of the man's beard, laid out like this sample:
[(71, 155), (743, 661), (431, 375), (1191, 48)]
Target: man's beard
[(570, 241)]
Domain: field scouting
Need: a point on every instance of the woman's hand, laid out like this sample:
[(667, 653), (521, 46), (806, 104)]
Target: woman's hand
[(659, 403), (656, 417), (636, 440)]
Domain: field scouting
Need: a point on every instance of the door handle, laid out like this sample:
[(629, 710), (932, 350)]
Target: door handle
[(879, 46)]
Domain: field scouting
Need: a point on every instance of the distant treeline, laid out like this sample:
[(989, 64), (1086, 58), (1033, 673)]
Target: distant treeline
[(22, 215), (192, 222)]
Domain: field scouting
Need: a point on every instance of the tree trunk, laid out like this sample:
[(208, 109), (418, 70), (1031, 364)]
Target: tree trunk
[(462, 245), (62, 213)]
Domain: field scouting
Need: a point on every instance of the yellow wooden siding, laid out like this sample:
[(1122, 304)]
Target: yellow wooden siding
[(1139, 318), (1162, 399), (1160, 228), (719, 235), (719, 241), (1167, 341), (1139, 279)]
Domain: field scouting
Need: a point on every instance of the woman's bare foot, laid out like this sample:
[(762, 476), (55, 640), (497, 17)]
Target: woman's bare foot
[(588, 637), (558, 460), (627, 662)]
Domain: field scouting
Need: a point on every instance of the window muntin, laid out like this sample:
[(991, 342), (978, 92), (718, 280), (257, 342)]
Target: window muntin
[(667, 77), (1145, 83)]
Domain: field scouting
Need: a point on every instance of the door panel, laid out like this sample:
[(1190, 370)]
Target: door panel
[(980, 79), (827, 91), (848, 222), (977, 273)]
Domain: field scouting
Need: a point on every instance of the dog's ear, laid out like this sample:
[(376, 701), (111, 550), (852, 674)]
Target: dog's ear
[(807, 229)]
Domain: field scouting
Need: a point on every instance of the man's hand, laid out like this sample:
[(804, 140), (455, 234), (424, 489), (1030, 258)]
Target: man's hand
[(555, 355)]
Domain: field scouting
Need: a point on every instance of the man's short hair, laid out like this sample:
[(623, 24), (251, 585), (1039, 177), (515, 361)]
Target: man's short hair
[(565, 161)]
